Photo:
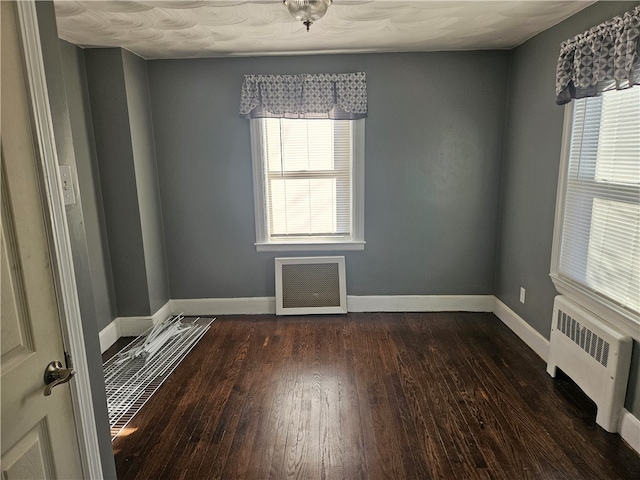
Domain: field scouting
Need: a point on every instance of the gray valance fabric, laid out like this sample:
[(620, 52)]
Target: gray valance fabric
[(605, 57), (340, 96)]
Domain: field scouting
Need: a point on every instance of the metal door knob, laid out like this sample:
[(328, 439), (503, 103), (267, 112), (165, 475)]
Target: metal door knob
[(55, 374)]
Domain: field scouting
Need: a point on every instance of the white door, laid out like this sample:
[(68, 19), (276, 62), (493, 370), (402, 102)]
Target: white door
[(38, 431)]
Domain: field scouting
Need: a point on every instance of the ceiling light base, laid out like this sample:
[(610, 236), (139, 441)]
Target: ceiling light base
[(307, 11)]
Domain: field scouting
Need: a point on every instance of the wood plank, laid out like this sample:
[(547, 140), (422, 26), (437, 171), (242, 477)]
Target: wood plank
[(368, 396)]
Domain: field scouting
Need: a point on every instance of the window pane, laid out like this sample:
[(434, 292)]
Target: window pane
[(308, 145), (613, 263), (272, 144), (308, 177), (600, 247), (619, 142), (303, 206), (299, 145)]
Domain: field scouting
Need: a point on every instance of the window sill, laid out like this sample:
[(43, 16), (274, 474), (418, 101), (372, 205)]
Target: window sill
[(613, 314), (310, 246)]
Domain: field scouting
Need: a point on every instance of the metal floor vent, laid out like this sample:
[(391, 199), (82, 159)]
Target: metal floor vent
[(587, 340), (135, 373), (310, 285)]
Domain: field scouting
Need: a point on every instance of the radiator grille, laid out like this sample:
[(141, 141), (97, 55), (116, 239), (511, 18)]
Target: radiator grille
[(591, 343), (594, 355), (310, 285)]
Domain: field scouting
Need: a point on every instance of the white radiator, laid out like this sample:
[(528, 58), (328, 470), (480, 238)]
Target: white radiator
[(594, 355), (310, 285)]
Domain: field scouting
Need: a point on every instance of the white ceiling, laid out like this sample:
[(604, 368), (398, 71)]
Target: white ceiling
[(220, 28)]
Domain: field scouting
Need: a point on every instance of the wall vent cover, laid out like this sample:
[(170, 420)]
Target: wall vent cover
[(310, 285), (595, 355), (582, 336)]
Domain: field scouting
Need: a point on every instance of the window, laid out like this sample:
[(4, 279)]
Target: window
[(597, 240), (308, 182)]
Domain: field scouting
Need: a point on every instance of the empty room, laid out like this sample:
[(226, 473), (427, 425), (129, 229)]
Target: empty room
[(316, 239)]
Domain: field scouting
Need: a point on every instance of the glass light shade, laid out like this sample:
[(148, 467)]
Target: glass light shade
[(308, 11)]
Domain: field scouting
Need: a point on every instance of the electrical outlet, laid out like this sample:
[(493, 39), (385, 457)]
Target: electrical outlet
[(522, 294)]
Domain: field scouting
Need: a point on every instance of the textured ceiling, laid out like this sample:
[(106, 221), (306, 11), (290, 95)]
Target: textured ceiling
[(219, 28)]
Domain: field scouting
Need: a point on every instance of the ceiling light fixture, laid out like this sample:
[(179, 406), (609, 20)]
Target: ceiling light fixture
[(308, 11)]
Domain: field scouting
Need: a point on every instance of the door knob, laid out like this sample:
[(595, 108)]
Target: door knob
[(54, 375)]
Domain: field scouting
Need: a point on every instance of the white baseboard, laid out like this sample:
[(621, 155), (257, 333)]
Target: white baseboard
[(163, 312), (420, 303), (132, 326), (377, 303), (225, 306), (374, 303), (129, 326), (522, 329), (109, 335), (629, 429)]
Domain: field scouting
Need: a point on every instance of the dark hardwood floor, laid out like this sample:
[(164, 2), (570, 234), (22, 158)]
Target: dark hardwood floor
[(116, 347), (368, 396)]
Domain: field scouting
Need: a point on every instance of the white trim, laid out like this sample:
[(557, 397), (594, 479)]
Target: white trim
[(420, 303), (163, 313), (62, 259), (629, 425), (522, 329), (226, 306), (342, 286), (132, 326), (255, 130), (330, 245), (267, 306), (618, 317), (357, 187), (355, 241), (614, 315), (109, 335), (389, 303), (629, 429), (565, 150)]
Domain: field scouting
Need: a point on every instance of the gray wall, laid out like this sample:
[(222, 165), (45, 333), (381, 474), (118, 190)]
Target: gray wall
[(434, 140), (126, 158), (461, 173), (89, 183), (530, 175), (146, 173), (105, 76), (60, 115)]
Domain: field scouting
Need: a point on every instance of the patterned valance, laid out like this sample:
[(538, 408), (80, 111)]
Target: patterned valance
[(337, 96), (606, 57)]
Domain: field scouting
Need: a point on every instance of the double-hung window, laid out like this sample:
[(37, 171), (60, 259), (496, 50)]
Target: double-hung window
[(308, 183), (597, 240), (307, 144)]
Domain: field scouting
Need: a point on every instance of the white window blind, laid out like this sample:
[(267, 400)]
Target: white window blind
[(307, 177), (600, 247)]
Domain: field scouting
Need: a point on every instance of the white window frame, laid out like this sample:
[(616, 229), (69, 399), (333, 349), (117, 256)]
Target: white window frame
[(354, 242), (617, 316)]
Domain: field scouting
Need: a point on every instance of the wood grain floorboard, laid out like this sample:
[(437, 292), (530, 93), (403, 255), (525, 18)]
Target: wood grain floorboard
[(368, 396)]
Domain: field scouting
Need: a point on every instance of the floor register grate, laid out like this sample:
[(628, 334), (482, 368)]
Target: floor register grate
[(135, 373)]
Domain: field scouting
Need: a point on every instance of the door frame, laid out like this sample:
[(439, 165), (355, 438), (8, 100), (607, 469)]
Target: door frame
[(59, 240)]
